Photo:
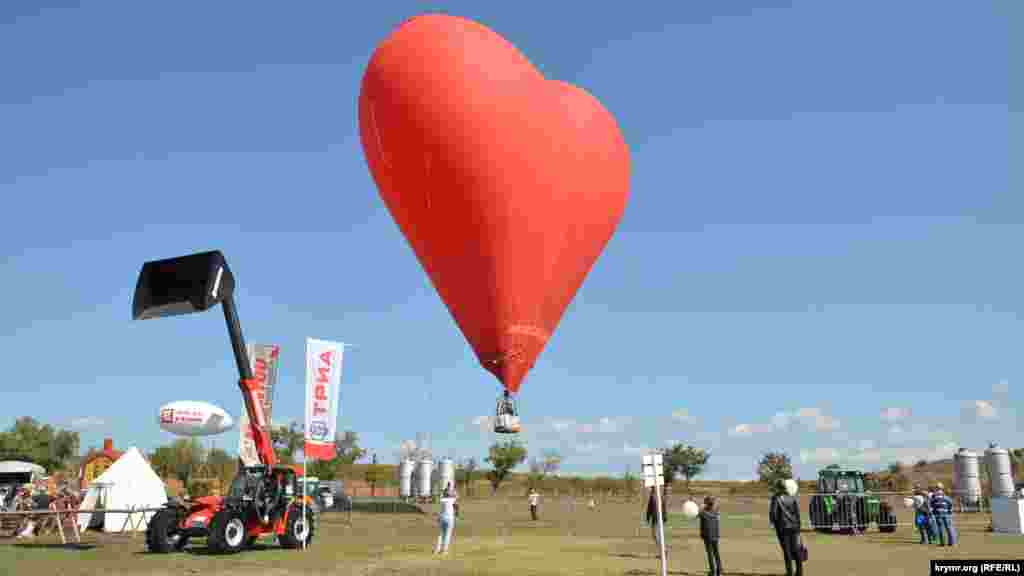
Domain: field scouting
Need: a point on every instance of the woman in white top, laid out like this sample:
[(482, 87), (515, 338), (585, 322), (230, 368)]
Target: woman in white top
[(447, 522)]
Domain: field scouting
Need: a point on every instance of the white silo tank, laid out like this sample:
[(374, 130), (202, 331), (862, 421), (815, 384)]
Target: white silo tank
[(999, 471), (447, 474), (423, 472), (405, 470), (968, 481)]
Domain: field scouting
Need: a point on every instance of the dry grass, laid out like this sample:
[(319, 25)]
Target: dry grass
[(497, 537)]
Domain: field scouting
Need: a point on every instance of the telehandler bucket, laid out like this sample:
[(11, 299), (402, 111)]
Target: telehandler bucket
[(182, 285), (187, 284)]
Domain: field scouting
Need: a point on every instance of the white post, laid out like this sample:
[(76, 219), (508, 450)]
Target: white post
[(661, 530), (305, 522), (654, 477)]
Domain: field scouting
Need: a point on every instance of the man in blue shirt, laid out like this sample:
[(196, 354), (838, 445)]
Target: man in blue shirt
[(942, 510)]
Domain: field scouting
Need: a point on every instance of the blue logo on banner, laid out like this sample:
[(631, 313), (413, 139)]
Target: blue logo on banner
[(318, 430)]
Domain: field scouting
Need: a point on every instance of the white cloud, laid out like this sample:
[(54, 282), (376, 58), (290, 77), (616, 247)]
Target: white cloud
[(87, 422), (587, 447), (808, 413), (985, 410), (781, 420), (1001, 388), (631, 449), (683, 415), (819, 456), (867, 456), (866, 445), (563, 425), (608, 426), (747, 430), (484, 423), (586, 428), (895, 414)]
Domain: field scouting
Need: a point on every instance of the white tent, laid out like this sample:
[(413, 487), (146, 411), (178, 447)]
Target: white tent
[(129, 483)]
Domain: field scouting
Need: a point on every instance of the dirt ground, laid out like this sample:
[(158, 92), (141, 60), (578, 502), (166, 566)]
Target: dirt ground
[(497, 537)]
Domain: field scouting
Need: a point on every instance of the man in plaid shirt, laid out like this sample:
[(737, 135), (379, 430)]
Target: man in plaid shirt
[(942, 509)]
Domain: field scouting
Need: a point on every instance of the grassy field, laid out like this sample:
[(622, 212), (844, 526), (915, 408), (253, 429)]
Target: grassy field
[(497, 537)]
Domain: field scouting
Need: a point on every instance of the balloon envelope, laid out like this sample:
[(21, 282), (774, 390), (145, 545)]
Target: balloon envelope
[(194, 418), (506, 185)]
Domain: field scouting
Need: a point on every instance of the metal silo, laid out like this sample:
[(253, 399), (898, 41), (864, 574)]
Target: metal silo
[(405, 478), (447, 474), (999, 472), (968, 480), (423, 471)]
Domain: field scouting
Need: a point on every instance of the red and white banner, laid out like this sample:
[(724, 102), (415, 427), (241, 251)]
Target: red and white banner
[(323, 384), (265, 364)]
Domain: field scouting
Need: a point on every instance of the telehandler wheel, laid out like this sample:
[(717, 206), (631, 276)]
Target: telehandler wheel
[(298, 529), (227, 532), (162, 534)]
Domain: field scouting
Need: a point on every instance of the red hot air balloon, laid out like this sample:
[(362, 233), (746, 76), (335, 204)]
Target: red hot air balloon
[(507, 186)]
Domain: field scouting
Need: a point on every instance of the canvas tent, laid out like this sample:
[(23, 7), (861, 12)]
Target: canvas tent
[(129, 483)]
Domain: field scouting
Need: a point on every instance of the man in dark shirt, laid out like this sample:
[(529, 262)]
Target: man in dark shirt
[(784, 514)]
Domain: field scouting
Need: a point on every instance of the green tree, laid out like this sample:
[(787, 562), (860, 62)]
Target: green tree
[(51, 448), (287, 441), (180, 458), (629, 482), (467, 469), (774, 466), (503, 458), (346, 447), (686, 461)]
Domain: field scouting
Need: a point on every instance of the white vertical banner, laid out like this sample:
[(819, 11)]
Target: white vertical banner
[(323, 384), (264, 359)]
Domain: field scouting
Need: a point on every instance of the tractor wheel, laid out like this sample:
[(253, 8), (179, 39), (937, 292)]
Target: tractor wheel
[(162, 534), (298, 529), (886, 519), (820, 520), (227, 532)]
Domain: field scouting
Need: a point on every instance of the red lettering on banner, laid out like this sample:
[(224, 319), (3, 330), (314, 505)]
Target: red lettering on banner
[(318, 410), (326, 357)]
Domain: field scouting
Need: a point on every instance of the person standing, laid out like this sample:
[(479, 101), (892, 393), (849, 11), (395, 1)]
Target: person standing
[(709, 534), (534, 499), (784, 514), (446, 520), (922, 511), (942, 510)]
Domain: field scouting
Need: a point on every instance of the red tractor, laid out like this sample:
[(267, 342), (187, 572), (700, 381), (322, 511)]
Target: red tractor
[(262, 499)]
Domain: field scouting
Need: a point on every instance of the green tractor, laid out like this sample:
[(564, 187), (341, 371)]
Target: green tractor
[(842, 502)]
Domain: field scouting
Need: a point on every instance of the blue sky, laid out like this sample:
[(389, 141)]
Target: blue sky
[(820, 254)]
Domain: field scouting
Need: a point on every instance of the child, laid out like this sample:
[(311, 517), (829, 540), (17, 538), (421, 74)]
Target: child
[(534, 498), (447, 522), (922, 510), (709, 534)]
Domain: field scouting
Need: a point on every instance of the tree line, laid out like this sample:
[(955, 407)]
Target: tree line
[(57, 450)]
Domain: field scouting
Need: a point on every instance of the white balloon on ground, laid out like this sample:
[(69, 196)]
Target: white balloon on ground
[(690, 509), (791, 486)]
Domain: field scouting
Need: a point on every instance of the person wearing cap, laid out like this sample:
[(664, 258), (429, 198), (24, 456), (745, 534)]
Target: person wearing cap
[(942, 511)]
